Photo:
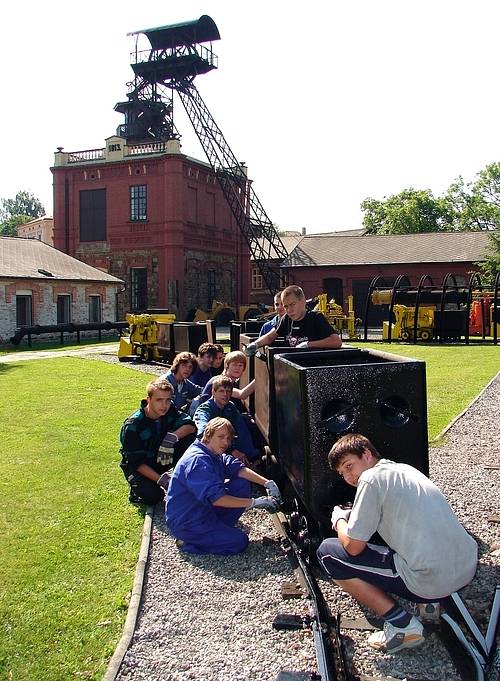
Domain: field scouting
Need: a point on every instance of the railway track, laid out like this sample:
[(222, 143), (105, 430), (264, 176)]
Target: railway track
[(476, 656)]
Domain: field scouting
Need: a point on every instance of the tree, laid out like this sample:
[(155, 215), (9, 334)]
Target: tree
[(24, 203), (477, 204), (9, 226), (490, 266), (409, 212), (23, 208)]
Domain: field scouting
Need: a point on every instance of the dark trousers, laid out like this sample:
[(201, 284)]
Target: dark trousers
[(146, 491)]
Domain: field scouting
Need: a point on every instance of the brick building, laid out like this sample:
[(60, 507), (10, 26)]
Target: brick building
[(342, 265), (39, 228), (154, 217), (41, 285)]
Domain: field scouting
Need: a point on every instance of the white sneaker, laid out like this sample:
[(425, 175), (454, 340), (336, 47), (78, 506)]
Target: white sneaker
[(391, 638)]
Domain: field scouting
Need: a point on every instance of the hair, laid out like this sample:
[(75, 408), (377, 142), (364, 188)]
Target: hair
[(207, 349), (183, 358), (277, 295), (221, 382), (352, 443), (219, 347), (293, 291), (159, 384), (215, 424), (235, 356)]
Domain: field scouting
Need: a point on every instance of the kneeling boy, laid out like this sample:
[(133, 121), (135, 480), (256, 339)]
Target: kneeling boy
[(210, 490)]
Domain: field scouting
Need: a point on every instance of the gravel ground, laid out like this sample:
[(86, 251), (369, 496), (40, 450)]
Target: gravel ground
[(209, 618)]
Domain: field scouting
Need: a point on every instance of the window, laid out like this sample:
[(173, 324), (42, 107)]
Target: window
[(138, 202), (256, 278), (192, 205), (93, 215), (210, 208), (138, 289), (63, 309), (95, 315), (211, 287), (24, 311)]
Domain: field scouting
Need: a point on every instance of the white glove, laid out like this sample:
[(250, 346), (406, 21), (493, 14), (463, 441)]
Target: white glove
[(268, 503), (340, 513), (273, 491), (304, 344), (251, 349)]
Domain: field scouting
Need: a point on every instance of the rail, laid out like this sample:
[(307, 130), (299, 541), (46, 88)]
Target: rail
[(475, 656), (330, 656)]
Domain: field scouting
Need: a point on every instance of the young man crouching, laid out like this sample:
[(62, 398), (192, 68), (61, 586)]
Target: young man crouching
[(428, 556)]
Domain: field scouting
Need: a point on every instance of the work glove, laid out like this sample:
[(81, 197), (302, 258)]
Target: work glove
[(338, 513), (303, 344), (267, 503), (251, 349), (163, 481), (273, 491), (166, 450)]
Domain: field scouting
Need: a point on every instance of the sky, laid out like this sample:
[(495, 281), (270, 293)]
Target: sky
[(328, 102)]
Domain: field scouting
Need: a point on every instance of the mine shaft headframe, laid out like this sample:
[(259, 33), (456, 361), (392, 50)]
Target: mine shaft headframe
[(176, 54), (175, 59)]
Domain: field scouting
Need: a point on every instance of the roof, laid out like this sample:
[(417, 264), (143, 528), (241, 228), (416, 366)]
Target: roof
[(336, 250), (25, 258), (186, 33), (35, 221), (289, 242)]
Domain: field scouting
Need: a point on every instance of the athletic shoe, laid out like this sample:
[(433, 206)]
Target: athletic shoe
[(391, 638)]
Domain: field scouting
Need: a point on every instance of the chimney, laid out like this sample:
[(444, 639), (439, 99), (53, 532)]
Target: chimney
[(303, 231)]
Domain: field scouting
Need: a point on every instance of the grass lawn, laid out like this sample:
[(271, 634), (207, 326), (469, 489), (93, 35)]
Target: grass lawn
[(455, 375), (69, 537)]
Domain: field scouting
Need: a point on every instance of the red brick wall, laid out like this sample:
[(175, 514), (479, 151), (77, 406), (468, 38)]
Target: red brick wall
[(178, 229)]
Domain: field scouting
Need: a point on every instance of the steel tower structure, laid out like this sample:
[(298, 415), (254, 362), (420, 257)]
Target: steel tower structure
[(175, 58)]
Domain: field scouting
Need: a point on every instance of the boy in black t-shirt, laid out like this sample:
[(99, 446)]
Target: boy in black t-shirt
[(301, 327)]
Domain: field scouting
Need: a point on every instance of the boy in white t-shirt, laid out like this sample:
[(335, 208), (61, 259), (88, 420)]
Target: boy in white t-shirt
[(428, 556)]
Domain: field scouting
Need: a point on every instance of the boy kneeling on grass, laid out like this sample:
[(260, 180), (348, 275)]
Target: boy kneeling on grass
[(210, 490), (153, 440), (428, 556)]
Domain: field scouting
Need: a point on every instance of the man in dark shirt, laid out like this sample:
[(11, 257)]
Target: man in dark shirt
[(152, 440), (302, 328), (220, 405), (207, 352)]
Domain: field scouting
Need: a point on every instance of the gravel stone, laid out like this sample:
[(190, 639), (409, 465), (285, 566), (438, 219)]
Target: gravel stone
[(209, 618)]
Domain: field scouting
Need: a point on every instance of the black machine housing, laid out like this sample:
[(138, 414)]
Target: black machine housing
[(307, 399)]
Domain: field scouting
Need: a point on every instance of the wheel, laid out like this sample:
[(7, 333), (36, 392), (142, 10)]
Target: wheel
[(224, 316), (405, 335), (425, 335), (252, 313)]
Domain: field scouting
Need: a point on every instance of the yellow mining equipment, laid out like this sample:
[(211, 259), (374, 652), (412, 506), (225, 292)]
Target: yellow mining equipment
[(335, 314), (404, 317), (224, 313), (143, 337)]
